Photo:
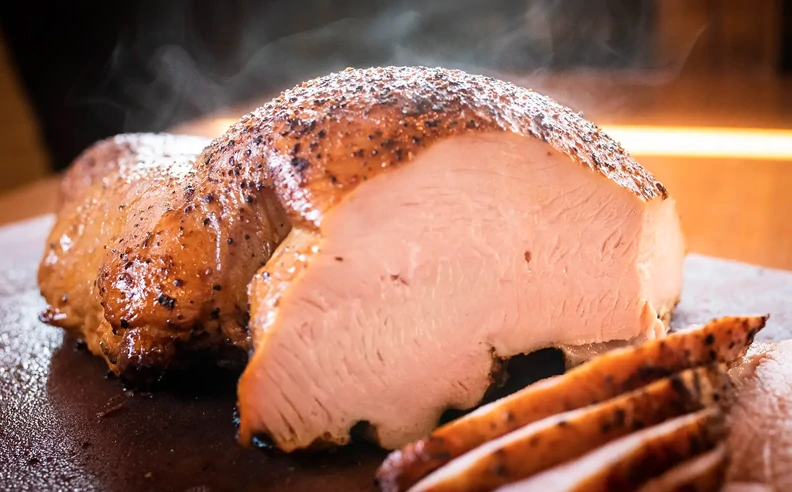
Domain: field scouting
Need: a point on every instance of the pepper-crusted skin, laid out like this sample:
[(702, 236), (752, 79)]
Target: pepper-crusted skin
[(326, 136), (152, 251)]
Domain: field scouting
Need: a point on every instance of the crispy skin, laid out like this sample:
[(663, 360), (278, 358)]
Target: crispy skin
[(722, 340), (628, 463), (704, 473), (152, 251), (381, 118), (567, 436)]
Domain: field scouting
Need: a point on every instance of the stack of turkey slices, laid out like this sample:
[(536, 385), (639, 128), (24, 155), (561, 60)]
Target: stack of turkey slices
[(649, 417), (399, 231)]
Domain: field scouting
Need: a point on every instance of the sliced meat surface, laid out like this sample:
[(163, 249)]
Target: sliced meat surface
[(152, 250), (610, 375), (440, 220), (703, 473), (631, 461), (761, 418), (563, 437)]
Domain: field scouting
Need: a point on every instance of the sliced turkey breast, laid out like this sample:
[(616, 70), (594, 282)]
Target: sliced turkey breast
[(761, 435), (440, 220), (612, 374), (631, 461), (565, 436), (152, 250)]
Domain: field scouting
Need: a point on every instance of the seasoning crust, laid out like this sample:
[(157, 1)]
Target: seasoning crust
[(326, 136)]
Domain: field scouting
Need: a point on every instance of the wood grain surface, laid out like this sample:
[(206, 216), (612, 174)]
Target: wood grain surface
[(65, 426)]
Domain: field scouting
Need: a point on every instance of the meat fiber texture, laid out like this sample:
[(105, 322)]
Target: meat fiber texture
[(761, 429), (441, 221)]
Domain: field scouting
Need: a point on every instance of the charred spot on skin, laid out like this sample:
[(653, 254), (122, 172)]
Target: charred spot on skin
[(178, 282), (678, 385), (217, 287), (709, 339), (662, 189), (619, 417), (166, 301), (215, 313), (124, 323), (299, 164), (527, 256), (209, 198), (499, 470)]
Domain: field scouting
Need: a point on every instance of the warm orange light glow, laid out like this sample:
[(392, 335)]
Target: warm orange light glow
[(674, 141), (728, 143)]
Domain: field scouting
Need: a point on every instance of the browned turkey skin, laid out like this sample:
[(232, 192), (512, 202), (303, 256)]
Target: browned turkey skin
[(152, 250)]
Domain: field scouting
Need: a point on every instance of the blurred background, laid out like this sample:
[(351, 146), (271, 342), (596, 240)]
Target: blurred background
[(698, 90)]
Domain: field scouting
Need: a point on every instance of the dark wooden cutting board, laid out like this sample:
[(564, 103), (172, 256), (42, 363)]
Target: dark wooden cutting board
[(64, 425)]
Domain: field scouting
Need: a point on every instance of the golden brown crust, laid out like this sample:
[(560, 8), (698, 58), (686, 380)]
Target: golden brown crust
[(326, 136), (159, 249)]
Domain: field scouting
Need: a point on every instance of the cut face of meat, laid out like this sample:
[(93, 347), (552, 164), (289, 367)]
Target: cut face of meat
[(761, 428), (485, 244), (440, 220), (153, 248)]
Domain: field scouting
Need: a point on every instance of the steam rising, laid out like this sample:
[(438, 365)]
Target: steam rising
[(179, 63)]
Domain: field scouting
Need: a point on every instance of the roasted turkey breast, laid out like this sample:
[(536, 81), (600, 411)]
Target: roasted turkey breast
[(440, 221), (153, 248)]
